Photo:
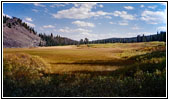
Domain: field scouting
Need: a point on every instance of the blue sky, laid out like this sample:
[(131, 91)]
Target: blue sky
[(91, 20)]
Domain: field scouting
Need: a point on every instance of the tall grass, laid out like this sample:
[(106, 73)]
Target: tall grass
[(21, 70), (142, 75)]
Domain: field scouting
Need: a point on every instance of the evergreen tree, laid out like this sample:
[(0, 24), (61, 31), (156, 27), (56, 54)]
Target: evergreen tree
[(143, 38), (51, 35), (86, 40), (9, 25), (81, 41)]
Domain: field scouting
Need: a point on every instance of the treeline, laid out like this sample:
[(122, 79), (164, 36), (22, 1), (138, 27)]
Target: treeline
[(85, 41), (11, 22), (52, 40), (58, 40), (160, 36)]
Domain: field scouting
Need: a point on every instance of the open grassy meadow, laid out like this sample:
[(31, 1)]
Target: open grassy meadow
[(93, 70)]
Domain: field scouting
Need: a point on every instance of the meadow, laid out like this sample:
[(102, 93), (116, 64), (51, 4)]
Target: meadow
[(92, 70)]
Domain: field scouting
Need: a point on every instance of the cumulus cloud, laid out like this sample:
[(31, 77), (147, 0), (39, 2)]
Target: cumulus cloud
[(83, 24), (57, 5), (28, 19), (78, 30), (154, 17), (101, 6), (30, 24), (134, 34), (80, 11), (152, 7), (124, 15), (81, 33), (39, 5), (78, 33), (129, 7), (48, 26)]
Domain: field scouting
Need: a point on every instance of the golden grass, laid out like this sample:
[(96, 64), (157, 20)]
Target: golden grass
[(95, 57)]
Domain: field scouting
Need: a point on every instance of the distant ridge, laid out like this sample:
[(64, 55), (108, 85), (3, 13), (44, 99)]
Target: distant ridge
[(156, 37)]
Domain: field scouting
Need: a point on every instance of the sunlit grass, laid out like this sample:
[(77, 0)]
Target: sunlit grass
[(97, 70), (94, 52)]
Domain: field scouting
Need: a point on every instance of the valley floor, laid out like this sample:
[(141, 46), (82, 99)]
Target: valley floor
[(123, 69)]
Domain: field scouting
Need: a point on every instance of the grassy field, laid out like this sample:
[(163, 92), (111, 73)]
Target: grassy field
[(118, 69)]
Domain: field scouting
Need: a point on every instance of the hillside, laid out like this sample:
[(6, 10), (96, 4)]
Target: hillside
[(56, 40), (17, 34)]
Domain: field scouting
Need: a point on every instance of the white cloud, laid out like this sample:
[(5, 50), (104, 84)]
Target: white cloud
[(39, 5), (30, 24), (124, 15), (28, 19), (80, 11), (35, 10), (78, 33), (108, 17), (123, 23), (65, 30), (154, 17), (152, 7), (78, 30), (48, 26), (134, 34), (57, 5), (7, 15), (152, 23), (77, 4), (101, 6), (162, 28), (111, 23), (83, 24), (81, 33), (142, 6), (129, 7)]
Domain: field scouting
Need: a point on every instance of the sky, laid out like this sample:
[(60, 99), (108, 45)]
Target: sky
[(91, 20)]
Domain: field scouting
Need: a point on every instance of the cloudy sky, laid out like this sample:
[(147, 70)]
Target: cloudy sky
[(91, 20)]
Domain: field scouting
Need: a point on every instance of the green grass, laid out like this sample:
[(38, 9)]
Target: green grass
[(119, 69)]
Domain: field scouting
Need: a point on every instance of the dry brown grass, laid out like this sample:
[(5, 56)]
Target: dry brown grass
[(95, 57)]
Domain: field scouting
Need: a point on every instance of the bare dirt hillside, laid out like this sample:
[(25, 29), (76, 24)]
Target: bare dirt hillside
[(17, 34)]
